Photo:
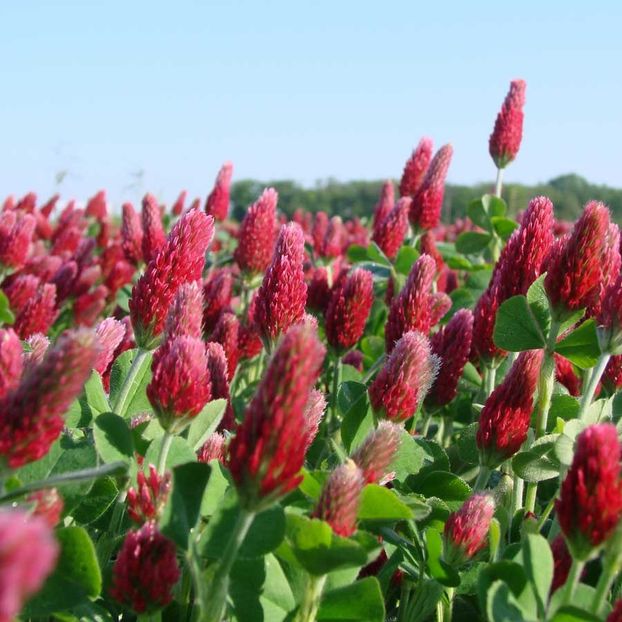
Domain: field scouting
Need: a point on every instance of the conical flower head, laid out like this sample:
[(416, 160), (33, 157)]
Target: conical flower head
[(566, 376), (348, 310), (257, 234), (214, 448), (217, 204), (267, 452), (217, 293), (219, 377), (48, 505), (180, 386), (282, 297), (28, 554), (412, 309), (507, 134), (610, 318), (562, 561), (590, 504), (226, 334), (147, 500), (401, 385), (575, 263), (616, 613), (610, 269), (185, 316), (466, 529), (178, 207), (377, 451), (338, 504), (452, 345), (504, 420), (335, 238), (318, 231), (154, 236), (15, 237), (389, 234), (384, 205), (313, 414), (38, 345), (416, 167), (425, 210), (19, 289), (131, 234), (181, 260), (145, 571), (11, 361), (520, 264), (110, 334), (31, 416), (97, 206)]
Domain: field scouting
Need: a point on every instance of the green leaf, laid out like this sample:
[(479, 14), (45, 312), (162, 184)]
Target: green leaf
[(494, 206), (564, 407), (406, 257), (516, 327), (443, 485), (360, 601), (538, 565), (99, 499), (95, 394), (581, 345), (216, 488), (437, 567), (478, 213), (113, 439), (539, 462), (504, 227), (472, 242), (502, 606), (379, 503), (264, 535), (181, 512), (205, 423), (137, 396), (570, 613), (408, 458), (539, 304), (75, 579), (375, 254), (179, 453), (357, 253), (357, 419)]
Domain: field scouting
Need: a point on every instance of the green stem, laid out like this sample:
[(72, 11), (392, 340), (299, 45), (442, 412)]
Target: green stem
[(372, 370), (219, 586), (546, 513), (517, 493), (592, 383), (482, 478), (572, 581), (448, 429), (154, 616), (499, 182), (488, 384), (120, 404), (335, 389), (612, 564), (310, 605), (448, 604), (167, 440)]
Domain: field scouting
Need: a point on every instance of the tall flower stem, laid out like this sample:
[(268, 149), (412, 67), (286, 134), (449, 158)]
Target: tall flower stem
[(311, 599), (612, 565), (219, 585), (335, 389), (517, 493), (594, 377), (572, 581), (499, 182), (482, 478), (120, 404), (165, 447), (546, 383)]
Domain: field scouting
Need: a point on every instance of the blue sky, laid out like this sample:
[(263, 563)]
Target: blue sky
[(301, 90)]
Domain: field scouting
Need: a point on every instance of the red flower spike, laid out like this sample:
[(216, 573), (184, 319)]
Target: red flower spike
[(219, 377), (334, 239), (15, 237), (154, 236), (180, 261), (185, 315), (145, 571), (504, 420), (406, 377), (217, 293), (616, 613), (47, 208), (425, 210), (466, 529), (575, 264), (389, 234), (354, 358), (377, 451), (96, 206), (28, 554), (507, 134), (566, 376), (318, 232), (178, 207), (318, 290), (180, 386), (412, 308), (610, 268), (267, 452), (88, 307), (384, 205), (38, 345), (110, 333), (38, 313), (282, 297), (20, 289), (613, 372), (131, 234), (226, 334), (348, 310), (257, 234), (338, 504), (214, 448), (562, 560), (11, 362), (590, 503), (217, 204), (31, 418), (48, 505), (452, 345), (147, 500), (416, 167), (313, 414)]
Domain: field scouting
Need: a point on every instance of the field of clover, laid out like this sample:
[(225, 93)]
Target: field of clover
[(312, 419)]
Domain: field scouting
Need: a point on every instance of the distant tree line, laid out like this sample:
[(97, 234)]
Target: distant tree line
[(569, 194)]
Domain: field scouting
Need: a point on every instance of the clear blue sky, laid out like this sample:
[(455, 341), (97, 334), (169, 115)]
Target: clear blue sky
[(302, 90)]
